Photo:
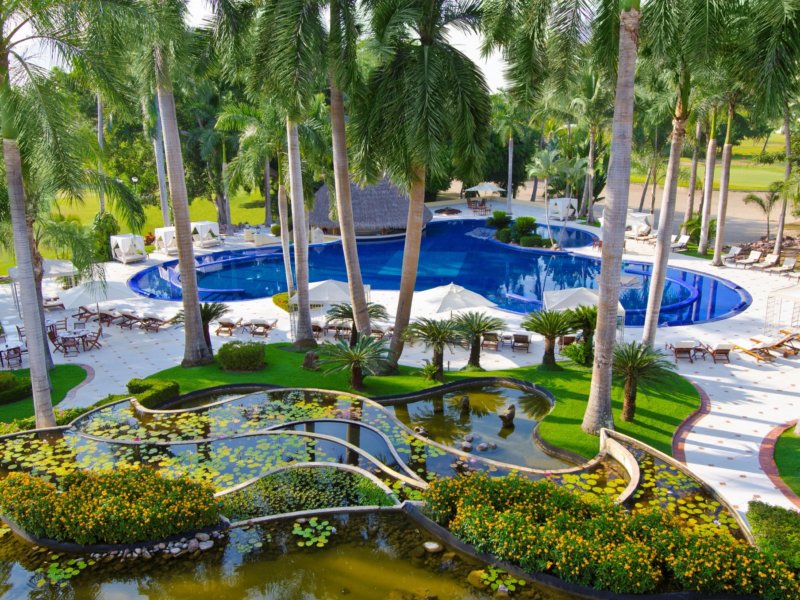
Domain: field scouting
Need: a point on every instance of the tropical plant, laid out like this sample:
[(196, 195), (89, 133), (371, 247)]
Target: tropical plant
[(638, 364), (550, 324), (544, 165), (367, 356), (435, 334), (423, 96), (768, 201), (209, 312), (507, 121), (473, 325), (343, 313), (584, 319)]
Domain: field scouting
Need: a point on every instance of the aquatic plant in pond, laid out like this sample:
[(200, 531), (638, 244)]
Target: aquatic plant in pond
[(313, 532)]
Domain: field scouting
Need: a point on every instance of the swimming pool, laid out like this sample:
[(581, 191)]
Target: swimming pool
[(460, 251)]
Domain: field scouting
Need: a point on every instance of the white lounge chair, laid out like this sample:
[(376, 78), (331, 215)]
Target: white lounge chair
[(787, 266), (752, 259), (732, 254), (681, 243), (770, 261)]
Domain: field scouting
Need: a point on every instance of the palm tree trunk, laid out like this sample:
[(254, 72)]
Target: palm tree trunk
[(549, 356), (438, 360), (722, 205), (31, 315), (547, 211), (786, 176), (644, 189), (665, 225), (408, 278), (344, 210), (587, 210), (38, 276), (356, 379), (692, 178), (158, 147), (629, 399), (267, 194), (475, 352), (101, 143), (598, 410), (303, 336), (196, 351), (708, 184), (535, 189), (510, 179), (283, 216)]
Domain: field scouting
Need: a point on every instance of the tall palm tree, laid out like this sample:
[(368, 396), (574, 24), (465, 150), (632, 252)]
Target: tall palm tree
[(768, 201), (638, 364), (344, 313), (708, 183), (435, 334), (689, 214), (366, 357), (787, 175), (550, 324), (507, 122), (423, 97), (473, 325), (544, 165)]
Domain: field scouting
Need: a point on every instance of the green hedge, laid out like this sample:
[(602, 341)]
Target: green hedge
[(122, 506), (503, 235), (151, 393), (590, 541), (241, 356), (777, 531), (14, 388)]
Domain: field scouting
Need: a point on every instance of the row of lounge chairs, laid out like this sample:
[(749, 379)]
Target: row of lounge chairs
[(677, 244), (517, 341), (255, 327), (125, 319), (787, 344), (770, 264)]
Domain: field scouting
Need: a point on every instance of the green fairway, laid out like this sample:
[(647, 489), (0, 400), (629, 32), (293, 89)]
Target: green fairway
[(659, 412), (63, 378), (787, 457)]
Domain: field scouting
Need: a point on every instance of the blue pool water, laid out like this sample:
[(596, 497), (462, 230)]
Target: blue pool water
[(457, 251)]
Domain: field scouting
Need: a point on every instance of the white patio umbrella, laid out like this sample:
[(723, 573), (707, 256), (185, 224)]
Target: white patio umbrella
[(573, 298), (329, 291), (94, 292), (487, 187), (452, 297)]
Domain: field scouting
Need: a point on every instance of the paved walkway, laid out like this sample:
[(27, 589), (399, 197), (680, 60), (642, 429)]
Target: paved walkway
[(747, 400)]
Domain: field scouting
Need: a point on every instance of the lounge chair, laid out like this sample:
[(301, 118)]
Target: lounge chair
[(377, 333), (491, 341), (685, 349), (227, 326), (719, 352), (752, 259), (770, 261), (760, 352), (785, 345), (787, 266), (520, 340), (108, 317), (317, 330), (85, 314), (566, 340), (732, 254), (129, 319), (261, 327), (53, 304), (151, 322), (681, 243)]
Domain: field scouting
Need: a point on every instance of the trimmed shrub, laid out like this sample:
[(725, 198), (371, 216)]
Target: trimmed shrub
[(122, 506), (281, 300), (525, 225), (777, 531), (578, 353), (503, 235), (241, 356), (151, 393), (13, 388), (499, 220), (531, 241), (275, 229)]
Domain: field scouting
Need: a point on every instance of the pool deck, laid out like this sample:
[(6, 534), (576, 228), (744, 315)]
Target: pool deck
[(746, 400)]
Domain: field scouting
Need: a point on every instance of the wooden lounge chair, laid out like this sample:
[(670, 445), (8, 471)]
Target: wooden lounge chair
[(683, 350), (719, 352), (770, 261), (520, 340), (108, 317), (752, 259), (732, 254), (129, 319), (261, 327), (317, 330), (491, 341), (52, 304), (759, 352), (377, 333), (680, 244), (151, 322), (787, 266), (85, 314), (227, 326), (785, 345)]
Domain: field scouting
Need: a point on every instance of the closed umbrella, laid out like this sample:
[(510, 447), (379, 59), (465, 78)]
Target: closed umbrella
[(452, 297), (94, 292)]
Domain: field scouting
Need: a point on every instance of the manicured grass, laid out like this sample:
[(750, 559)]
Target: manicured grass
[(787, 457), (660, 410), (63, 378)]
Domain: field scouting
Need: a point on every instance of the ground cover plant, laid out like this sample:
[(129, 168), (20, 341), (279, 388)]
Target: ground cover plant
[(63, 377), (777, 531), (589, 541)]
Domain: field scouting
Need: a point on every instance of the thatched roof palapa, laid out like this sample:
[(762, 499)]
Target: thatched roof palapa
[(379, 208)]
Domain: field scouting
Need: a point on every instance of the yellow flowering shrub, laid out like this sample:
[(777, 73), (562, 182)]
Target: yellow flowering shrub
[(590, 541), (107, 507)]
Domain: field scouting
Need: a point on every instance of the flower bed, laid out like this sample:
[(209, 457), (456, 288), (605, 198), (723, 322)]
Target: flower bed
[(111, 507), (590, 541)]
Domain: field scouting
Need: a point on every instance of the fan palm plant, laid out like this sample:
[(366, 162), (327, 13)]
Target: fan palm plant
[(344, 313), (550, 324), (435, 334), (638, 364), (366, 357), (473, 325), (768, 201), (584, 319), (209, 312)]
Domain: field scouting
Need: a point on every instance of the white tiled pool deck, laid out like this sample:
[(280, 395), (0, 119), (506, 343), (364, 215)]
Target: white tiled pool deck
[(747, 400)]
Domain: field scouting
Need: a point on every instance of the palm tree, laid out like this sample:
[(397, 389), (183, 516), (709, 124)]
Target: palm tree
[(638, 364), (786, 177), (550, 324), (343, 313), (209, 312), (698, 133), (708, 183), (473, 325), (584, 319), (507, 122), (435, 334), (366, 356), (544, 165), (423, 97), (767, 202)]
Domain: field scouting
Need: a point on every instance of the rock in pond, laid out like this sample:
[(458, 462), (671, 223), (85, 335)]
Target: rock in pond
[(432, 547)]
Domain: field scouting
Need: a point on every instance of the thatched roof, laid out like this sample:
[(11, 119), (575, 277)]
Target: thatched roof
[(376, 208)]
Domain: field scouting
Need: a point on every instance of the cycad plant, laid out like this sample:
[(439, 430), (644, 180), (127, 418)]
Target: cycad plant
[(638, 364), (343, 313), (209, 311), (550, 324), (584, 319), (435, 334), (473, 325), (367, 356)]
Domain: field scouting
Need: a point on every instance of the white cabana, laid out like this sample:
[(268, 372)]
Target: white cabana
[(166, 241), (561, 300), (487, 187), (563, 209), (452, 297), (53, 269), (205, 233), (127, 248), (94, 292)]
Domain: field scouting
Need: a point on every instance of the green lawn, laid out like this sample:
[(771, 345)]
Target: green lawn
[(787, 457), (659, 413), (63, 378)]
